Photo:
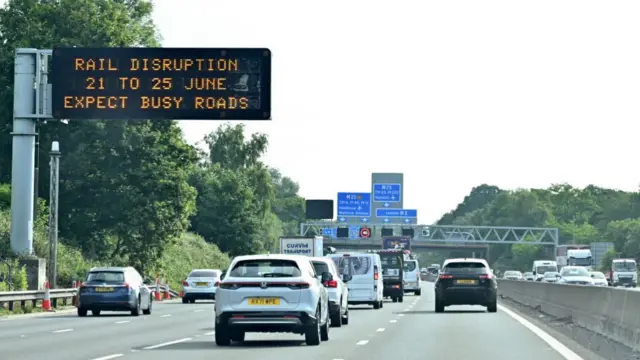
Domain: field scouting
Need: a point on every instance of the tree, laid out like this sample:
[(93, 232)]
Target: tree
[(288, 205)]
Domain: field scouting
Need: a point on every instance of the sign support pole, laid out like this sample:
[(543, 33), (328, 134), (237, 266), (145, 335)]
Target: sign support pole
[(23, 156)]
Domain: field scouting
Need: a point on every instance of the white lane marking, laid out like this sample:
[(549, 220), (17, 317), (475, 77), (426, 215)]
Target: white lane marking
[(393, 321), (167, 315), (123, 321), (199, 310), (362, 342), (556, 345), (109, 357), (167, 343), (401, 315), (62, 331), (380, 330), (210, 333)]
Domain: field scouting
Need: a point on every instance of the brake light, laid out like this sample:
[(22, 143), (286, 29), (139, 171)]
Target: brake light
[(331, 283), (228, 286), (485, 277), (445, 276), (185, 283), (127, 286), (375, 273), (217, 283)]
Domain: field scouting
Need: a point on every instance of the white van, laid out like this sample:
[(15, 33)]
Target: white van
[(412, 277), (365, 269)]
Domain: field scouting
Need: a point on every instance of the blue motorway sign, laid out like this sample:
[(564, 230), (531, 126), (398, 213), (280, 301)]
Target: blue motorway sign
[(354, 232), (387, 193), (396, 213), (354, 205)]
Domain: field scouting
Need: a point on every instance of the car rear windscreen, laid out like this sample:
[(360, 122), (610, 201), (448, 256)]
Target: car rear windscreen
[(465, 268), (391, 261), (410, 266), (320, 267), (106, 276), (203, 274), (353, 265), (265, 268)]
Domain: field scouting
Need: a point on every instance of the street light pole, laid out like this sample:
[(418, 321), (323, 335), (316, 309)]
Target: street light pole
[(54, 182)]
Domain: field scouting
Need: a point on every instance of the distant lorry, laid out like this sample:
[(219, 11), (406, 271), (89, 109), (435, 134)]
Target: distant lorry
[(580, 257), (307, 246), (624, 272), (562, 256), (396, 242)]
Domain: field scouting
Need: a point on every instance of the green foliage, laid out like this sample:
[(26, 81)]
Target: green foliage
[(129, 190), (582, 216)]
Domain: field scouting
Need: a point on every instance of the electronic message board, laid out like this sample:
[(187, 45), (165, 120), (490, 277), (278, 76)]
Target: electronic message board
[(161, 83)]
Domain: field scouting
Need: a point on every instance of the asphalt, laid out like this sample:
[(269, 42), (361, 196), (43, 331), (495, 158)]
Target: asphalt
[(399, 331)]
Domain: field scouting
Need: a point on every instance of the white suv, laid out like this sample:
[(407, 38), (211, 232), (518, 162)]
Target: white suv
[(337, 289), (272, 293)]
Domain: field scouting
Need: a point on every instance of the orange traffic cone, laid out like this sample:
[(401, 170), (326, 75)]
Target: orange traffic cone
[(167, 294), (157, 293), (46, 302)]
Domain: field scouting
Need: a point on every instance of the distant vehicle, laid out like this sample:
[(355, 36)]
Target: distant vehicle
[(272, 293), (574, 275), (599, 279), (580, 257), (114, 289), (393, 274), (529, 276), (200, 284), (366, 285), (542, 266), (412, 277), (624, 272), (562, 257), (513, 275), (337, 290), (466, 282), (551, 276)]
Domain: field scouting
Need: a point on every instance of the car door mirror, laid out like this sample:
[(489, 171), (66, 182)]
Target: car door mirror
[(326, 276), (346, 278)]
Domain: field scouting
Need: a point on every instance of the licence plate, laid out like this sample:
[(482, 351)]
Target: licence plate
[(264, 301), (466, 282), (202, 284), (104, 289)]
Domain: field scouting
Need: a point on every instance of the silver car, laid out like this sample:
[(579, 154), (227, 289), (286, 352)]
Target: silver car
[(200, 284), (272, 293), (337, 290), (599, 279)]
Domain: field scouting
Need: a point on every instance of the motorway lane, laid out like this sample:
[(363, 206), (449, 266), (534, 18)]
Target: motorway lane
[(409, 330)]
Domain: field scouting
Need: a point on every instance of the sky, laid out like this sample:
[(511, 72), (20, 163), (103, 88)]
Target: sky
[(453, 94)]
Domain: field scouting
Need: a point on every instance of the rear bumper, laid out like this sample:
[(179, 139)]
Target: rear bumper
[(112, 303), (475, 295), (412, 286), (286, 321), (334, 307), (393, 290), (199, 295)]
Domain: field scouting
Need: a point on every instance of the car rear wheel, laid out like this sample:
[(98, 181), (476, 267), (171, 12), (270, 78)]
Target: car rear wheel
[(336, 320), (312, 333), (418, 292), (222, 336), (345, 317), (324, 330), (394, 299), (95, 312), (82, 312), (401, 299), (184, 300), (376, 305), (148, 310), (136, 310), (439, 306), (238, 336), (381, 304), (492, 307)]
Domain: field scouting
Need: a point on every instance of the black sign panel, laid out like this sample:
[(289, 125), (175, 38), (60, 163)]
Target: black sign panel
[(162, 83)]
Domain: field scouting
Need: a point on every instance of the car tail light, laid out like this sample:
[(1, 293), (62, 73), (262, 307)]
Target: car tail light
[(298, 286), (228, 286), (217, 284), (375, 273), (445, 276), (185, 283), (331, 283), (485, 277)]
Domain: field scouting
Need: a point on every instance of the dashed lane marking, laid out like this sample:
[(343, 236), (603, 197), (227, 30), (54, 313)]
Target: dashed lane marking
[(380, 330), (362, 342), (210, 333), (62, 331), (109, 357), (123, 321), (167, 343), (401, 315), (166, 315), (393, 321), (199, 310)]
